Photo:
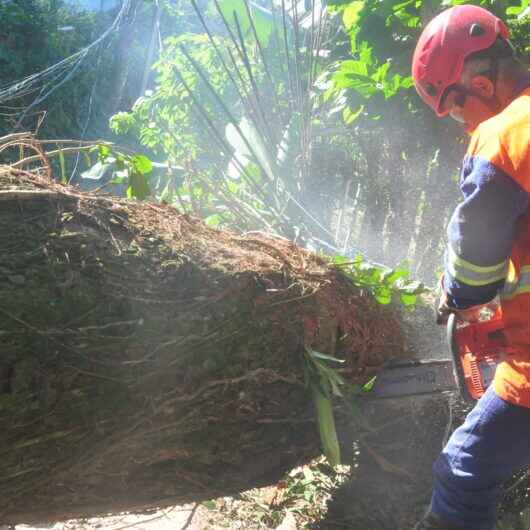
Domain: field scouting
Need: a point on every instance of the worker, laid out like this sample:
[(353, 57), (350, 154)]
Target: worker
[(464, 66)]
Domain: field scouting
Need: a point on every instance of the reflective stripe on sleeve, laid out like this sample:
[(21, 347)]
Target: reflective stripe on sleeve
[(517, 286), (472, 274)]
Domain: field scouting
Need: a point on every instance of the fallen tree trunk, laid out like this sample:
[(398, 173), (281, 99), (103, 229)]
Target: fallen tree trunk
[(147, 360)]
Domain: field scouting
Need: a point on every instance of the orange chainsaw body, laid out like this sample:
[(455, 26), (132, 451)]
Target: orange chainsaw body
[(477, 349)]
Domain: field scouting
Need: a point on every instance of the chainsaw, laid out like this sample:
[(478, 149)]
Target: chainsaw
[(476, 349)]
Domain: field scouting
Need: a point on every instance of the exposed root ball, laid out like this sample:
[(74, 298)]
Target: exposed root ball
[(149, 360)]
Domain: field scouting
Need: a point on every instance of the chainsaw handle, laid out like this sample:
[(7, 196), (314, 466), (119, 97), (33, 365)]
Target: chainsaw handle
[(458, 369), (476, 349)]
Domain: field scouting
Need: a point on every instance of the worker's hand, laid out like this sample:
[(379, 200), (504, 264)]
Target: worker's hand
[(443, 310), (470, 314)]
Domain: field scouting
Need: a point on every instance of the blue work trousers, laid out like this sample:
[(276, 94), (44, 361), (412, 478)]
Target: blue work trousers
[(492, 444)]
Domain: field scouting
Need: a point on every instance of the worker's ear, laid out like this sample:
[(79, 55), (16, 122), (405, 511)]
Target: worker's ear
[(483, 85)]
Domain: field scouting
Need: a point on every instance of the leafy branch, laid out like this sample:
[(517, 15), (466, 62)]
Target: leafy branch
[(383, 282), (324, 381)]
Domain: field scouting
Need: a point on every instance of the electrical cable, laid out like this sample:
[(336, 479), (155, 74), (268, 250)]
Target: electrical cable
[(47, 81), (88, 116), (91, 102)]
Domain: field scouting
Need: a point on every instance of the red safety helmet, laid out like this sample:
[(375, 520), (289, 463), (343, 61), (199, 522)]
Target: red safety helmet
[(445, 43)]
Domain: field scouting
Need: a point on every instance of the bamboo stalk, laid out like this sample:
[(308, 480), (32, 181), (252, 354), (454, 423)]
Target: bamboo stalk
[(242, 92), (219, 54), (261, 52), (283, 70), (286, 48), (296, 31), (268, 132), (216, 133), (223, 106), (227, 26)]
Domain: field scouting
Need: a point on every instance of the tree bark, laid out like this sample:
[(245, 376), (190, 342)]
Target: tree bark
[(148, 360)]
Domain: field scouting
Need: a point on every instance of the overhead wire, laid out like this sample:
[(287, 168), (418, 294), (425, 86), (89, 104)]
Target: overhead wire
[(92, 98), (47, 81), (88, 116)]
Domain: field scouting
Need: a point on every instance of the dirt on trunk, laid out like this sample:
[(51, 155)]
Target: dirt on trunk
[(148, 360)]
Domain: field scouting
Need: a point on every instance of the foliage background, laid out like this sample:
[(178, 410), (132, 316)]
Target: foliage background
[(296, 118)]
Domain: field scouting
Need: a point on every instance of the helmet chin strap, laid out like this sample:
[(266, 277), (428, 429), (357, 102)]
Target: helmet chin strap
[(457, 117)]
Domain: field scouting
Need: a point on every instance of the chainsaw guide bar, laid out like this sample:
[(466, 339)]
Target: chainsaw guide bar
[(476, 349), (414, 378)]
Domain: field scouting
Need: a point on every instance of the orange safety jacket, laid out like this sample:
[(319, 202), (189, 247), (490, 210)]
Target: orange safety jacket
[(489, 235)]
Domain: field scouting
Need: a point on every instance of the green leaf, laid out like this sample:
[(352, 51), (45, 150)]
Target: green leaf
[(383, 296), (368, 269), (365, 53), (381, 72), (138, 186), (392, 275), (213, 220), (142, 164), (368, 386), (233, 186), (350, 16), (249, 146), (340, 260), (263, 18), (521, 11), (409, 20), (403, 5), (335, 386), (308, 475), (410, 286), (408, 299), (210, 505), (338, 3), (350, 116), (523, 15), (383, 282), (104, 151), (351, 67), (63, 166), (325, 357), (326, 378), (326, 426)]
